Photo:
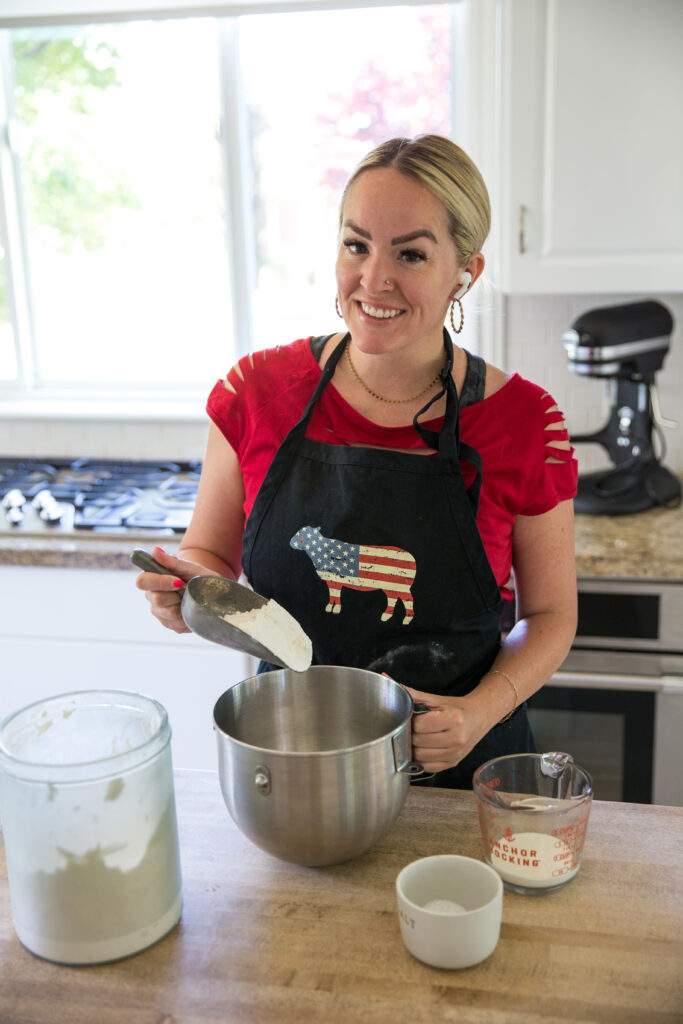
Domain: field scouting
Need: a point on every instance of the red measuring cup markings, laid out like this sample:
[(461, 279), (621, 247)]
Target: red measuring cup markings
[(533, 813)]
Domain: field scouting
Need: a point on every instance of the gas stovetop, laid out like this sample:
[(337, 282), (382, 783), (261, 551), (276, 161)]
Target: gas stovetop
[(109, 497)]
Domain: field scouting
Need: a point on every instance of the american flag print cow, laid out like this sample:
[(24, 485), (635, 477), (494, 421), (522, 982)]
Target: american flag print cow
[(359, 567)]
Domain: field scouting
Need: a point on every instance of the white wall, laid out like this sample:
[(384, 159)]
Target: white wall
[(105, 438), (532, 342)]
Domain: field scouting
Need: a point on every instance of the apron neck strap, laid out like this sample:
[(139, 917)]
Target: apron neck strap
[(325, 378), (447, 442)]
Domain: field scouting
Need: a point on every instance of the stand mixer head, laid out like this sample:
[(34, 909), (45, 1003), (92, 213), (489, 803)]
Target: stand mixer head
[(625, 345)]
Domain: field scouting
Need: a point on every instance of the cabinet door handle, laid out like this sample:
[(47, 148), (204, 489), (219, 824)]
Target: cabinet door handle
[(522, 238)]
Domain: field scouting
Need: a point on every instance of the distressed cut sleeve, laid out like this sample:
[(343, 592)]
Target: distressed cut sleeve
[(551, 470), (258, 402), (229, 402)]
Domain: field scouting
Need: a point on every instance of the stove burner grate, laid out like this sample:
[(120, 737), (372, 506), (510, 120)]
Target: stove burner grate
[(100, 494)]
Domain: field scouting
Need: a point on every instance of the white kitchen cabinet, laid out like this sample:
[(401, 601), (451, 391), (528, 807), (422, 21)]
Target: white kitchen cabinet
[(587, 159), (82, 629)]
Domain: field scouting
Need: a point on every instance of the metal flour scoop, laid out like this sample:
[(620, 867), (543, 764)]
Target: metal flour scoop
[(227, 613)]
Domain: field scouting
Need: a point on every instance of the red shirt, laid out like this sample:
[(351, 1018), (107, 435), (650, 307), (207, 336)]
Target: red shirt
[(264, 395)]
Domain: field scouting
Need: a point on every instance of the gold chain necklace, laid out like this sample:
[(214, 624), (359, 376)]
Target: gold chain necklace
[(381, 398)]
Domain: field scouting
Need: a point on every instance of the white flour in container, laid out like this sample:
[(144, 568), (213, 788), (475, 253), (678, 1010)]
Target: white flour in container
[(87, 912), (278, 631), (534, 859)]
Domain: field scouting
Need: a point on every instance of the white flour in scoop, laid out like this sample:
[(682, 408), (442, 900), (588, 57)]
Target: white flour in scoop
[(278, 631), (534, 859)]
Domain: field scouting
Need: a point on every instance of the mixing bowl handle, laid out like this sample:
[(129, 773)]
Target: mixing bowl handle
[(404, 767), (412, 767), (403, 764)]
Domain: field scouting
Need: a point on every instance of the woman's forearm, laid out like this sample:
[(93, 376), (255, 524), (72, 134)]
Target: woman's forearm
[(209, 561), (533, 650)]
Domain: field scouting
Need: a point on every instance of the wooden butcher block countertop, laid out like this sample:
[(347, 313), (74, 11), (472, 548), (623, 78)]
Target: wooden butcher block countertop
[(265, 942)]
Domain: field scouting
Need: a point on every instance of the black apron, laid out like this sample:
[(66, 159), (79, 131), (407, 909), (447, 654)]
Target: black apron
[(377, 554)]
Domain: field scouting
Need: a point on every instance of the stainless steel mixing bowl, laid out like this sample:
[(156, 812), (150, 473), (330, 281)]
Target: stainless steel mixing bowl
[(315, 766)]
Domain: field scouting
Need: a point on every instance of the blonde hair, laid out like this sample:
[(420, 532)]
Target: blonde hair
[(449, 174)]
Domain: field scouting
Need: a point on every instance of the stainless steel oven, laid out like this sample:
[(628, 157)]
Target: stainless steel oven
[(616, 703)]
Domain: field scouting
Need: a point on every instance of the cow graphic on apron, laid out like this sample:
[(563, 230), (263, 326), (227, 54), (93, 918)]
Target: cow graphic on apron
[(359, 567)]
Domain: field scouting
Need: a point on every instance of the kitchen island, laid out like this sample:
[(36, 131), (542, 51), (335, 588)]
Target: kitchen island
[(262, 941)]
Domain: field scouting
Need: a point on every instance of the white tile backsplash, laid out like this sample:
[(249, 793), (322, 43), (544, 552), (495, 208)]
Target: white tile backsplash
[(532, 342), (111, 439)]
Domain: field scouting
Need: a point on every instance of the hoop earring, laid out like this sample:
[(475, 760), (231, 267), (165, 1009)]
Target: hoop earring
[(336, 306), (457, 330)]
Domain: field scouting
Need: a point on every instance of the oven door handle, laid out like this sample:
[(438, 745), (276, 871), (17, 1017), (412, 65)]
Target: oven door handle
[(615, 681), (672, 684)]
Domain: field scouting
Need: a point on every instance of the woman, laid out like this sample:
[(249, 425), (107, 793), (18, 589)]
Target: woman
[(335, 476)]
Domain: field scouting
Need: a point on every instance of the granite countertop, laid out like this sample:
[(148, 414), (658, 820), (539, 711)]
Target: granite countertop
[(77, 551), (645, 546), (648, 545)]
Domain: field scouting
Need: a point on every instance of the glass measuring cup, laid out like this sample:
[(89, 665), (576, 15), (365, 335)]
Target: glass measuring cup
[(533, 813)]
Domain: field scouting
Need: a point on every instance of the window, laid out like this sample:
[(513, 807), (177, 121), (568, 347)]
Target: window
[(8, 349), (120, 175), (170, 187)]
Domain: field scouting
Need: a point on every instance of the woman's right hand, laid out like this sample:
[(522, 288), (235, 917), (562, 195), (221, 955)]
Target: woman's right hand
[(164, 593)]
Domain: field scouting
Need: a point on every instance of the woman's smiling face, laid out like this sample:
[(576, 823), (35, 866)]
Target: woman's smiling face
[(394, 230)]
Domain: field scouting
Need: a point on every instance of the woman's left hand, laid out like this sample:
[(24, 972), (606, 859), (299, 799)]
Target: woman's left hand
[(444, 735)]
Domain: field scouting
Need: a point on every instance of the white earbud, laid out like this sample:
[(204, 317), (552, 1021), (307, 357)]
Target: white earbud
[(465, 282)]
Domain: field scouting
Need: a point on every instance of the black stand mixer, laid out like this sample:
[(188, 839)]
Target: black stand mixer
[(625, 344)]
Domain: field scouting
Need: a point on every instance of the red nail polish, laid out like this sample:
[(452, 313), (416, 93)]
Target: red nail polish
[(161, 550), (177, 583)]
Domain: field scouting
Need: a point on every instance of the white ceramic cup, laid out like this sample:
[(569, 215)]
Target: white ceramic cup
[(449, 938)]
